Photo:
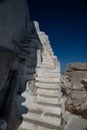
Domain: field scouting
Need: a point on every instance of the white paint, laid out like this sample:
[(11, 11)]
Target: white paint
[(12, 21)]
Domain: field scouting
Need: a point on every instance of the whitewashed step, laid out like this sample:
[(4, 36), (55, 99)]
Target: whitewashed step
[(53, 93), (44, 128), (48, 62), (48, 80), (30, 126), (47, 100), (47, 70), (44, 56), (43, 120), (48, 74), (27, 126), (47, 66), (46, 109), (28, 99), (47, 85)]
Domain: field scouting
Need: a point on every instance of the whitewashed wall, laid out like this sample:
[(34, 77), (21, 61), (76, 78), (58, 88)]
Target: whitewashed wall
[(12, 21)]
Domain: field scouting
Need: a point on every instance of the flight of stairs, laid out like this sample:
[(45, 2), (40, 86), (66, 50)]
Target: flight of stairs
[(45, 112), (44, 106)]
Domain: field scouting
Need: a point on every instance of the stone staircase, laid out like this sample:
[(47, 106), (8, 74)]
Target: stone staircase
[(45, 112), (43, 100)]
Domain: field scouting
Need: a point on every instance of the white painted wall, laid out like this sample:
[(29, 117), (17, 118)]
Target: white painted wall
[(12, 21)]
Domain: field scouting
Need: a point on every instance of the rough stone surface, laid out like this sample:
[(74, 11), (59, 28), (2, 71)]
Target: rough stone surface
[(74, 122), (74, 87), (79, 66)]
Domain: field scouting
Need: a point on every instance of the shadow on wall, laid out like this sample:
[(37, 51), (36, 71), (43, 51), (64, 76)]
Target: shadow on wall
[(26, 77), (8, 89)]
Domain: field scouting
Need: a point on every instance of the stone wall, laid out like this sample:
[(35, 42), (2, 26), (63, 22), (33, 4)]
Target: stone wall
[(74, 85)]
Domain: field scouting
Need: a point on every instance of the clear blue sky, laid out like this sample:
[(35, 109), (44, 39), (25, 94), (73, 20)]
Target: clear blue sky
[(66, 24)]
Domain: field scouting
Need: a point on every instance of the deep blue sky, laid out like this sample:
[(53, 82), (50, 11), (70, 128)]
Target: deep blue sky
[(66, 24)]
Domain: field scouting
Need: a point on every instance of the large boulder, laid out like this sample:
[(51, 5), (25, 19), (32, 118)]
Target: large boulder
[(14, 15), (79, 66), (74, 87)]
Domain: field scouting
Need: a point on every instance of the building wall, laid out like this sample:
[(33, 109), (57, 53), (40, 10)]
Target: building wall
[(12, 21)]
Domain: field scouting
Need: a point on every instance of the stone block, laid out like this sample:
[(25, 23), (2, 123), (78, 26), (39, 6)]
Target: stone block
[(79, 95), (48, 80)]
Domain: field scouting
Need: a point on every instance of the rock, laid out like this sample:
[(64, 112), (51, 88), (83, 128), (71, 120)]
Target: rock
[(80, 95), (77, 77), (76, 67), (74, 86), (84, 83), (66, 82), (84, 105), (77, 103), (68, 91), (75, 122), (69, 101)]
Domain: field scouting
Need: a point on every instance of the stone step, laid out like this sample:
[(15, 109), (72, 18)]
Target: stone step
[(46, 58), (43, 120), (46, 109), (42, 70), (44, 128), (28, 126), (47, 100), (30, 86), (47, 85), (26, 100), (25, 126), (47, 63), (48, 74), (47, 66), (52, 93), (47, 80)]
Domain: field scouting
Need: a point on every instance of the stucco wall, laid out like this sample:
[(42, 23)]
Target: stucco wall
[(12, 21)]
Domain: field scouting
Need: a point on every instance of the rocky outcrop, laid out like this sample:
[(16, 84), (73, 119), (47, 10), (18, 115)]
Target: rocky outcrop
[(74, 86), (76, 67), (74, 122)]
